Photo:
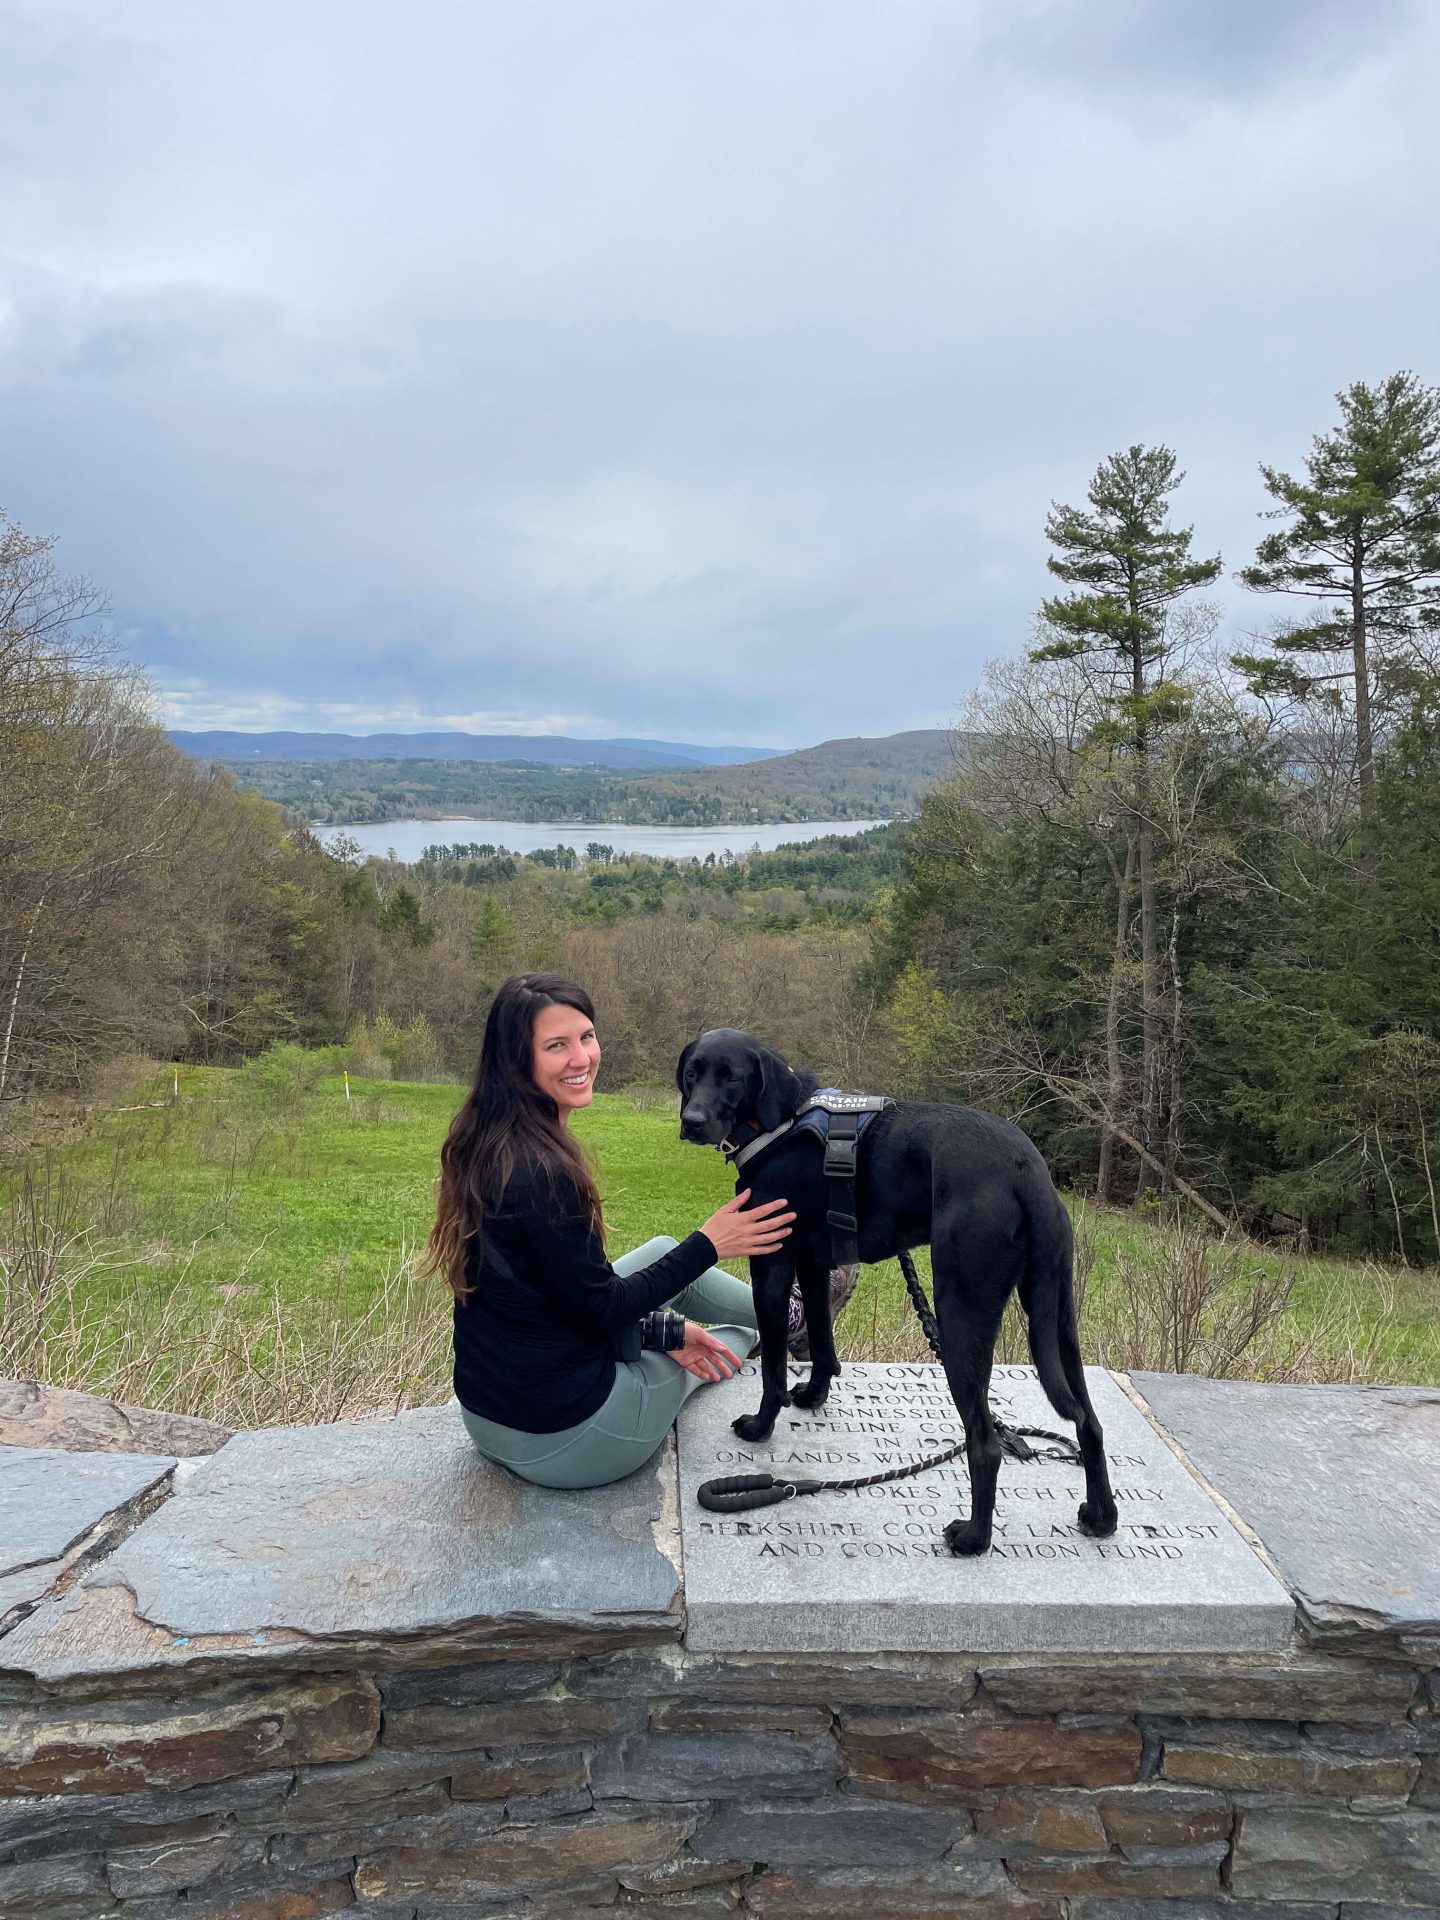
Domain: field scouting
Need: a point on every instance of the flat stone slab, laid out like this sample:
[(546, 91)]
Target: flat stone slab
[(869, 1571), (1341, 1483), (34, 1415), (50, 1505), (362, 1538)]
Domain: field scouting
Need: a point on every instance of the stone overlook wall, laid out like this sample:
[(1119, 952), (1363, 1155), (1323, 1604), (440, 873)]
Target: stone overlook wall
[(350, 1669)]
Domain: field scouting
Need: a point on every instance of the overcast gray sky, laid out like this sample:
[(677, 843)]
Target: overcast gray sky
[(699, 371)]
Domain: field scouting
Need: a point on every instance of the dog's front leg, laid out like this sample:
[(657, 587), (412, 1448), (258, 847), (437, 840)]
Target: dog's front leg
[(770, 1283)]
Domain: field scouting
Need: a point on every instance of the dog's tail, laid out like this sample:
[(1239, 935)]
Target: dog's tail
[(1049, 1302)]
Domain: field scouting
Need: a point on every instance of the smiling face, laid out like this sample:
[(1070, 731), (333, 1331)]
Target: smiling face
[(565, 1059)]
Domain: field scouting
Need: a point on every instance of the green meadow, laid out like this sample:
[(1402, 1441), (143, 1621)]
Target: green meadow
[(247, 1250)]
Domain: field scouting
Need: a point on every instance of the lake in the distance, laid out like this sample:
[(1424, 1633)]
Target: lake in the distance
[(408, 839)]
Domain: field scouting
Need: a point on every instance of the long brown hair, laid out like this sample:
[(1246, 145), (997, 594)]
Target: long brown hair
[(505, 1114)]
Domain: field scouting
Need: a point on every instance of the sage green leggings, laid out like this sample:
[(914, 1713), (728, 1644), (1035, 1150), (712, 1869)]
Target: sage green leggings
[(641, 1408)]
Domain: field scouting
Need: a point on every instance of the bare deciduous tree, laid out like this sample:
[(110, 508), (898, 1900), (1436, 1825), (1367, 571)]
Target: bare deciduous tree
[(88, 801)]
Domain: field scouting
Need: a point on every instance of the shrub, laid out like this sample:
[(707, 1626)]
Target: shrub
[(381, 1049)]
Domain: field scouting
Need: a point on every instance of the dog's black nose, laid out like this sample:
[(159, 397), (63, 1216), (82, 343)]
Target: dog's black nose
[(692, 1125)]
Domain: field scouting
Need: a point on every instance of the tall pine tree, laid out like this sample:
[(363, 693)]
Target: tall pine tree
[(1131, 566), (1360, 535)]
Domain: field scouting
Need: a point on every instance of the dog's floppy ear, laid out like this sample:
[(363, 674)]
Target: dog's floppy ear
[(778, 1093), (682, 1063)]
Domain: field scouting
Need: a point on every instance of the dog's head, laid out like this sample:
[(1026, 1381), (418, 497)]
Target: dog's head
[(726, 1079)]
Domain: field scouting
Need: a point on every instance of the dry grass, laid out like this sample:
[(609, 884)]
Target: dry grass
[(1185, 1302), (76, 1311), (653, 1097), (1173, 1300)]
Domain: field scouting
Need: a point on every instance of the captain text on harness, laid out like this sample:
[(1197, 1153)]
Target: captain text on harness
[(569, 1370)]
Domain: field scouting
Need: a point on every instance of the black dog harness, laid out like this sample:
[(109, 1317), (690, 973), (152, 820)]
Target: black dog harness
[(840, 1121)]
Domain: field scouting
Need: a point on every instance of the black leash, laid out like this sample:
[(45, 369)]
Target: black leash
[(740, 1492)]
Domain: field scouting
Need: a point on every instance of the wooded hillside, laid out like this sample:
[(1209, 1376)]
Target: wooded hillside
[(862, 779)]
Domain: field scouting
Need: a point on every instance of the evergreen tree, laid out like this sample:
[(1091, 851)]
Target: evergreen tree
[(493, 941), (403, 915), (1131, 567), (1361, 535)]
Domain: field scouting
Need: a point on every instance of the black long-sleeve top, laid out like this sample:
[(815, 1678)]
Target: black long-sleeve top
[(537, 1339)]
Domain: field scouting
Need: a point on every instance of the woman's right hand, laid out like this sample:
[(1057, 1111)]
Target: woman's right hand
[(739, 1233)]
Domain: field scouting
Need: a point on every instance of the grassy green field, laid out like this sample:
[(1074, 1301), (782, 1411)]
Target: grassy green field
[(317, 1191), (247, 1250)]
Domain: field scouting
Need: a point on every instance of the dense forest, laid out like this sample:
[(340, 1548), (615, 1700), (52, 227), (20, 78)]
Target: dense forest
[(1183, 912), (839, 780), (1175, 906)]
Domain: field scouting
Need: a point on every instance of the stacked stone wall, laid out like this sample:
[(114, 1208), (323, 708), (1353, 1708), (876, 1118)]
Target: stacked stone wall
[(646, 1780), (358, 1670)]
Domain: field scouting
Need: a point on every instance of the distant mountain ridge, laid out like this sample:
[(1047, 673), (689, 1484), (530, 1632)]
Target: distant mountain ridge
[(856, 779), (921, 750), (549, 749)]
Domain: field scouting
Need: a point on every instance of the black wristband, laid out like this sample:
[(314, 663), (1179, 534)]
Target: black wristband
[(663, 1330)]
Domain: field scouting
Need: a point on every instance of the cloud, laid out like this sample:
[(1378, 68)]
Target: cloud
[(704, 373), (1221, 48)]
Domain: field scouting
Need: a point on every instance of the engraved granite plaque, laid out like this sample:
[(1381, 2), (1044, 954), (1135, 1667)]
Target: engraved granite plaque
[(869, 1570)]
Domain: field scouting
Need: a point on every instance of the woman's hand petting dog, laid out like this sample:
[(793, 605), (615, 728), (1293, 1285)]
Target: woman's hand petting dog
[(703, 1355), (737, 1233)]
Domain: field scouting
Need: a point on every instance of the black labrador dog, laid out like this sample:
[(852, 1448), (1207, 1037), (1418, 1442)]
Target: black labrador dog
[(967, 1184)]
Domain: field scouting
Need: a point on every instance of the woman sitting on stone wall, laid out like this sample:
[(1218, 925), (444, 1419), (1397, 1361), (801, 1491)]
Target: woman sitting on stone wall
[(568, 1370)]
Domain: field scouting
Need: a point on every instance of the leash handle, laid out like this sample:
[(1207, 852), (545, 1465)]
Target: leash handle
[(744, 1490)]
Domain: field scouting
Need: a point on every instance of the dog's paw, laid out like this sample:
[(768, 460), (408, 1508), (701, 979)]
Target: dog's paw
[(753, 1426), (963, 1537), (1097, 1520), (814, 1393)]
